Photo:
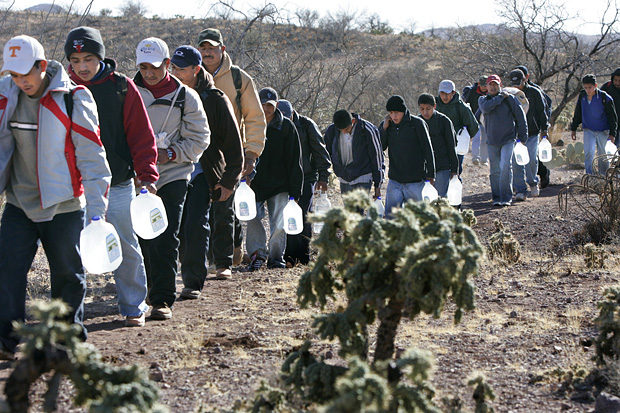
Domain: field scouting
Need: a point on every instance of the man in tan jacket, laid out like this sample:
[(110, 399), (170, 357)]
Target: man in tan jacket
[(240, 89)]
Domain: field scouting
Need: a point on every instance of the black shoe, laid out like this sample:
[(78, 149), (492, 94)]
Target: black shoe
[(256, 264), (273, 265), (544, 180)]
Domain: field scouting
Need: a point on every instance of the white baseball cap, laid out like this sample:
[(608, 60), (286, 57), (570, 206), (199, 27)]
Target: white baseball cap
[(447, 86), (152, 50), (20, 54)]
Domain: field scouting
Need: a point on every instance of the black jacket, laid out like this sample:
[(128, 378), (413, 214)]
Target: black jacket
[(315, 158), (409, 150), (443, 140), (536, 115), (279, 166), (367, 154), (471, 94), (222, 162), (613, 91)]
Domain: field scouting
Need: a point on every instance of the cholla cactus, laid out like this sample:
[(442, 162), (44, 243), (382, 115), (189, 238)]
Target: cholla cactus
[(503, 246), (608, 324), (594, 256), (482, 393), (53, 345)]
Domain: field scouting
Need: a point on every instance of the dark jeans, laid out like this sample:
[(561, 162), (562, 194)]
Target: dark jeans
[(195, 233), (161, 253), (298, 246), (18, 246), (224, 236)]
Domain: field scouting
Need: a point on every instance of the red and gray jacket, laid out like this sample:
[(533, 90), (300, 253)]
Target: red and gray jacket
[(70, 157)]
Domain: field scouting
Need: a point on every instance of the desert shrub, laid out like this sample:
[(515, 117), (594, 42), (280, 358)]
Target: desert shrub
[(607, 344), (52, 345), (503, 246), (594, 256)]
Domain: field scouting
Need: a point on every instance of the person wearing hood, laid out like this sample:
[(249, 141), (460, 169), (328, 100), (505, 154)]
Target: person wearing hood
[(279, 175), (410, 151), (470, 96), (450, 104), (129, 141), (213, 181), (612, 88), (53, 168)]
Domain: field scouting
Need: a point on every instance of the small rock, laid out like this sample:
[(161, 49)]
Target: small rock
[(157, 375), (142, 351), (279, 290), (513, 314), (223, 366), (606, 403), (557, 349)]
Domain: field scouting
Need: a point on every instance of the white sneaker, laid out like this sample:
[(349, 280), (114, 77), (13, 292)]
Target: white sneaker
[(534, 190), (520, 197)]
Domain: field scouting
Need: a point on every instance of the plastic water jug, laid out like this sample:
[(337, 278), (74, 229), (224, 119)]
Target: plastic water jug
[(455, 191), (521, 154), (148, 215), (100, 247), (462, 141), (545, 152), (321, 206), (378, 204), (245, 202), (610, 147), (293, 217), (429, 193)]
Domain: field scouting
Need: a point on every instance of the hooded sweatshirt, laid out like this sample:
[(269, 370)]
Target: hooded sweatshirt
[(459, 113), (614, 92)]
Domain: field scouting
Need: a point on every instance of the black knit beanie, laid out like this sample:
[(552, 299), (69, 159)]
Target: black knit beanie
[(84, 39), (396, 103)]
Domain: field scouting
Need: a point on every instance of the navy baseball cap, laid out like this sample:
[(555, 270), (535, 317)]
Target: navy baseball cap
[(185, 56), (268, 95)]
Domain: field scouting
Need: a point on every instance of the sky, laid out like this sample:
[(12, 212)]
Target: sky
[(401, 14)]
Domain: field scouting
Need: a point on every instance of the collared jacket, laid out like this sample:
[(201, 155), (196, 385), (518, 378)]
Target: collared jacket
[(504, 119), (459, 113), (279, 167), (250, 117), (409, 149), (316, 160), (126, 130), (367, 153), (223, 160), (537, 114), (187, 129), (443, 140), (608, 108), (71, 159)]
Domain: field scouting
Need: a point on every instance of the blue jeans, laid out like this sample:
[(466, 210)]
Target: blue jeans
[(344, 188), (442, 180), (161, 253), (397, 194), (500, 160), (195, 233), (595, 141), (19, 238), (479, 145), (130, 276), (256, 237), (526, 173)]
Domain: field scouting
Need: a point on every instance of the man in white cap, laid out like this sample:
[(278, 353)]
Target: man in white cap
[(180, 125), (52, 166)]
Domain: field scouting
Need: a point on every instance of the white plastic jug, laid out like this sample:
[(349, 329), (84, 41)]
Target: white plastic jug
[(610, 147), (429, 193), (321, 206), (148, 215), (455, 191), (378, 204), (100, 247), (545, 152), (293, 217), (521, 154), (462, 141), (245, 202)]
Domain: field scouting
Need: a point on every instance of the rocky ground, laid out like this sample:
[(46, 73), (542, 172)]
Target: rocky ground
[(531, 326)]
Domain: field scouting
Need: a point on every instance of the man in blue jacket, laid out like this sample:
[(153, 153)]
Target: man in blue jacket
[(410, 151), (504, 120), (355, 149), (595, 111)]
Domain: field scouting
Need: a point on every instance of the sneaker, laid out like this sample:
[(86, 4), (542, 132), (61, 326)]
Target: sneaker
[(485, 163), (189, 294), (273, 265), (505, 204), (135, 321), (212, 269), (534, 190), (161, 312), (256, 263), (223, 274), (497, 203), (238, 256), (476, 161), (544, 180), (520, 197)]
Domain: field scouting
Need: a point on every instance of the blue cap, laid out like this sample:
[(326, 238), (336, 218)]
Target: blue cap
[(185, 56), (286, 108), (268, 94)]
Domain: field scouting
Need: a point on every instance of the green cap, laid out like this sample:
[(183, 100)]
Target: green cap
[(213, 36)]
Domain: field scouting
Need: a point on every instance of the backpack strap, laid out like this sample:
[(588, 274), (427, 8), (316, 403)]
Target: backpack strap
[(236, 75)]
